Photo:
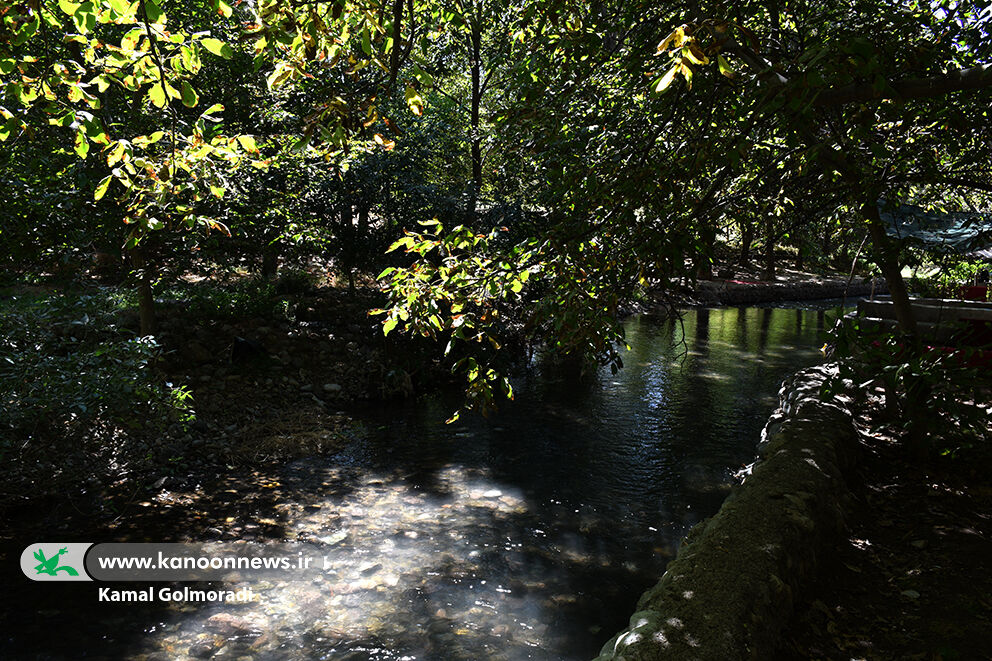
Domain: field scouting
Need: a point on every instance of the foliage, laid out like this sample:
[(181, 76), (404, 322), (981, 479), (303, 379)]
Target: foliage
[(245, 297), (623, 138), (79, 388), (932, 393), (87, 67), (453, 300), (945, 280)]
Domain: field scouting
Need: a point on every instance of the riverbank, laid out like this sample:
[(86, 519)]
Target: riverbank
[(911, 578), (729, 592), (839, 544), (266, 372), (788, 285)]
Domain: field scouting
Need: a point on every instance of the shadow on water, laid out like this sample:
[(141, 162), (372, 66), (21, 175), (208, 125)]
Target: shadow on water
[(526, 536)]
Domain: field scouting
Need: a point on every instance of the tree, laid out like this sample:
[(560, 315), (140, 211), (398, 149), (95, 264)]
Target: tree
[(636, 131), (102, 69), (796, 103)]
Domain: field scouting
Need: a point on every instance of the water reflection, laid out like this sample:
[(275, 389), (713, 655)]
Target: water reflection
[(527, 536)]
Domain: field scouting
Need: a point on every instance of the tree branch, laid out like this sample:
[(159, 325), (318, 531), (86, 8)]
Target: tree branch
[(976, 77)]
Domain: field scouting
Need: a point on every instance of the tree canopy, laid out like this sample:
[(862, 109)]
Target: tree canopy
[(559, 156)]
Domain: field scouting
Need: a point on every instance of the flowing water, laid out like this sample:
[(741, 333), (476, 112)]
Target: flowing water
[(526, 536)]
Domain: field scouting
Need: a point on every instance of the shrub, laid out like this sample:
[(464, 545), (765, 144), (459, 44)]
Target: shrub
[(81, 397)]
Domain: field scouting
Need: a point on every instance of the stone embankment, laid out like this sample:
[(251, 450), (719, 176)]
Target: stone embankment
[(731, 590), (736, 292)]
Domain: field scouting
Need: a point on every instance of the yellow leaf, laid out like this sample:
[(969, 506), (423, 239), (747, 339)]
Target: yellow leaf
[(666, 80), (725, 67), (675, 38), (101, 189), (693, 53), (414, 100), (386, 143), (157, 95), (248, 144)]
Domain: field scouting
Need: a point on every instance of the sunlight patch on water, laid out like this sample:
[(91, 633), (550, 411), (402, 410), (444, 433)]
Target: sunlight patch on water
[(455, 568)]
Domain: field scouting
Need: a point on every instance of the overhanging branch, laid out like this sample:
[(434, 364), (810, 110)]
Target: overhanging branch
[(976, 77)]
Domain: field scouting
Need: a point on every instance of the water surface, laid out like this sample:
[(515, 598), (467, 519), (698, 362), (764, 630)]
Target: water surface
[(526, 536)]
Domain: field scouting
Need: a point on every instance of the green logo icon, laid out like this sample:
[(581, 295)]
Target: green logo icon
[(51, 565)]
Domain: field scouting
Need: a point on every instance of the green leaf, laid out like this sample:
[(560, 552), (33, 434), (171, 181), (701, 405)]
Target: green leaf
[(399, 243), (27, 30), (725, 67), (82, 145), (122, 7), (222, 8), (85, 18), (7, 65), (68, 7), (217, 47), (366, 42), (422, 76), (101, 189), (248, 144), (389, 325), (190, 97), (154, 12), (157, 95), (95, 132)]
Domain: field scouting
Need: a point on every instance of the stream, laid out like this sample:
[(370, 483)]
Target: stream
[(529, 535)]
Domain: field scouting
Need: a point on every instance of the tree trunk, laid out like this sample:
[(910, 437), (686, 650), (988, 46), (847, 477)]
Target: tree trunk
[(747, 235), (146, 302), (475, 54), (769, 272), (704, 260), (348, 236), (270, 259), (887, 257)]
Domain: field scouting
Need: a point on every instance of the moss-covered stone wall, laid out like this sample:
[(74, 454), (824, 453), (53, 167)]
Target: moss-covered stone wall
[(731, 589)]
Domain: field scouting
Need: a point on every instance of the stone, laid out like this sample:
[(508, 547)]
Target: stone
[(197, 353), (227, 624), (202, 650), (369, 568), (332, 387)]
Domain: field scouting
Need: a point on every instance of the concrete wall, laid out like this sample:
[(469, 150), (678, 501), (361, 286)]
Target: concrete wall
[(732, 587)]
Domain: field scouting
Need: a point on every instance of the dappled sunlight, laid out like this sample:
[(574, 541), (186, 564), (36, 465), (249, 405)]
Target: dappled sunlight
[(460, 565), (528, 535)]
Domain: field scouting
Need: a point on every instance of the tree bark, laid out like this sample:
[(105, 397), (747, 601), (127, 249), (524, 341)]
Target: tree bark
[(146, 301), (348, 254), (475, 54), (910, 88), (270, 258), (747, 235), (704, 261), (887, 257), (769, 272)]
